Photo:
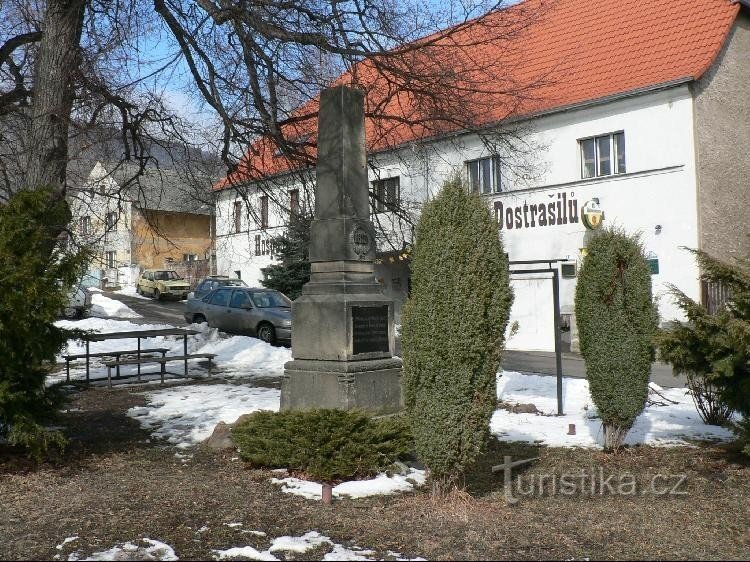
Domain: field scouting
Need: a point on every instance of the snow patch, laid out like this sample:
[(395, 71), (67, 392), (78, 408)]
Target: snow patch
[(129, 551), (187, 415), (668, 425), (381, 485), (105, 307)]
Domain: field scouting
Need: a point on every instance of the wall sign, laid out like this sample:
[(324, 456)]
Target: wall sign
[(563, 209)]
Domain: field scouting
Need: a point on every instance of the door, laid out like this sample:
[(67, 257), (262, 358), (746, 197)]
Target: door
[(217, 309), (242, 313)]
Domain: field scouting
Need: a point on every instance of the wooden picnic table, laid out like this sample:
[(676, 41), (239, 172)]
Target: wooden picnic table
[(139, 334)]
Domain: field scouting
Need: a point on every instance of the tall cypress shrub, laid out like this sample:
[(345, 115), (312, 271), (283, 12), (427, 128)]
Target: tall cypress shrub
[(37, 273), (617, 322), (453, 331)]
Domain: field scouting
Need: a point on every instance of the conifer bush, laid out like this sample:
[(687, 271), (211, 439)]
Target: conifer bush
[(293, 252), (453, 331), (325, 444), (714, 349), (36, 276), (617, 322)]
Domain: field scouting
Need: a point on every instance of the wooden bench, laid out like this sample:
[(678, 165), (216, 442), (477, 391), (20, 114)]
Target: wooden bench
[(116, 354), (162, 360)]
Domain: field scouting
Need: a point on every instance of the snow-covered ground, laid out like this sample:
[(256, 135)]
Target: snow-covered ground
[(105, 307), (149, 549), (671, 424), (186, 415), (381, 485), (235, 355), (129, 291)]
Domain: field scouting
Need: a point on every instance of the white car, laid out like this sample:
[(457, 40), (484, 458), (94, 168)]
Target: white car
[(79, 303)]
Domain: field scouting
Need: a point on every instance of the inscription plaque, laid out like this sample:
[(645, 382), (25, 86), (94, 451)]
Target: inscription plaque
[(370, 329)]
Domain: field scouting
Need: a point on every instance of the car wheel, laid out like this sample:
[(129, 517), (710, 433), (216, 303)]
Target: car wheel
[(199, 319), (157, 294), (138, 290), (70, 313), (267, 333)]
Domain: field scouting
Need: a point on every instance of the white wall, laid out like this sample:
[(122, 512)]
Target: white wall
[(658, 189)]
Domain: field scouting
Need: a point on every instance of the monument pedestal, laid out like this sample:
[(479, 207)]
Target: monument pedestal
[(373, 385)]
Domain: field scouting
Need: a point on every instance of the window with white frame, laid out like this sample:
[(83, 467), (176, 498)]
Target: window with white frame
[(111, 260), (603, 155), (385, 194), (85, 225), (484, 175)]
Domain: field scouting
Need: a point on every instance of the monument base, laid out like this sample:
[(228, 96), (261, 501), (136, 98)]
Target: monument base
[(373, 385)]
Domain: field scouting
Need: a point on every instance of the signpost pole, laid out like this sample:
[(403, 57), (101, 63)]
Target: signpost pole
[(558, 339)]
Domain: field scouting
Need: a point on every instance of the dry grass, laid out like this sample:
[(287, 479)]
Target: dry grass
[(115, 485)]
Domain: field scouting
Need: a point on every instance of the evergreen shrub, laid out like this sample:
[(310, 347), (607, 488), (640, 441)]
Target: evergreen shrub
[(715, 348), (325, 444), (37, 274), (292, 248), (617, 321), (453, 331)]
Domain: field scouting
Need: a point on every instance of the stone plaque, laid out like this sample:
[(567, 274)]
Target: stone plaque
[(370, 329)]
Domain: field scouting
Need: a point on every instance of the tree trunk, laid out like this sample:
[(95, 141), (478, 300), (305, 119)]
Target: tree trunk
[(56, 63)]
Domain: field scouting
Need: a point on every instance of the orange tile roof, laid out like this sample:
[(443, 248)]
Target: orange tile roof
[(571, 51)]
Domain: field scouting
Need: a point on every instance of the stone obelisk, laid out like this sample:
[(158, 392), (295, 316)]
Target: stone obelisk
[(342, 324)]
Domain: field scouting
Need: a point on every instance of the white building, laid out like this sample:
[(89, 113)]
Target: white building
[(648, 116)]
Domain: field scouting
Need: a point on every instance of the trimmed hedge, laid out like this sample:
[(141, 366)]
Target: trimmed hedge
[(617, 321), (453, 331), (325, 444)]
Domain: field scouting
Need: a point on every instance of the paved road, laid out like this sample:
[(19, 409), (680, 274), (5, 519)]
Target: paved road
[(574, 366), (153, 311), (170, 312)]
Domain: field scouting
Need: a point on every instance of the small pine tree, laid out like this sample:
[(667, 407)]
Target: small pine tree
[(292, 248), (716, 347), (453, 330), (37, 275), (617, 321)]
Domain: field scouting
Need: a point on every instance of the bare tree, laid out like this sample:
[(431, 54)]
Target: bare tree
[(68, 67)]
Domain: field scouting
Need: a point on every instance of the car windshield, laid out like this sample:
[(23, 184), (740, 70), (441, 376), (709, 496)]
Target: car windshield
[(165, 275), (270, 299), (232, 283)]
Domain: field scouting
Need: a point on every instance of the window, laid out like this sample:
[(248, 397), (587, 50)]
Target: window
[(85, 225), (111, 260), (603, 155), (111, 221), (237, 224), (484, 175), (257, 244), (264, 211), (240, 299), (294, 209), (385, 194), (189, 257), (221, 297)]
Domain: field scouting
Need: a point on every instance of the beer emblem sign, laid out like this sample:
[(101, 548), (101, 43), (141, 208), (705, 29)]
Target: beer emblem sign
[(592, 215)]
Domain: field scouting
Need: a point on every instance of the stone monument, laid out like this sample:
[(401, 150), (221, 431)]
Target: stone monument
[(342, 324)]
